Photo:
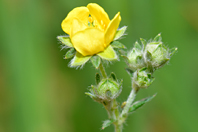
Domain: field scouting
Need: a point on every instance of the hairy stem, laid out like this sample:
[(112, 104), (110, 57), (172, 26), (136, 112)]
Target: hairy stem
[(102, 70), (129, 102)]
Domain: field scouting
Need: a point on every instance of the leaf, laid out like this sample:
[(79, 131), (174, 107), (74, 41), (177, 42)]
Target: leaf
[(79, 60), (120, 32), (65, 40), (70, 53), (158, 38), (106, 123), (98, 78), (108, 54), (140, 103), (95, 61), (117, 44)]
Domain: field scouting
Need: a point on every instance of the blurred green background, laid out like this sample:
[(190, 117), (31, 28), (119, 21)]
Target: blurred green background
[(39, 93)]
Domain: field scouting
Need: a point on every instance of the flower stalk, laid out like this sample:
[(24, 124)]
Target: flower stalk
[(102, 70)]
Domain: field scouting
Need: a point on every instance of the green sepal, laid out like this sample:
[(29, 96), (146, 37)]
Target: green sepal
[(79, 60), (107, 123), (138, 46), (158, 38), (120, 32), (140, 103), (108, 54), (65, 40), (113, 76), (143, 41), (117, 44), (94, 89), (148, 55), (70, 53), (98, 78), (90, 95), (172, 51), (95, 61)]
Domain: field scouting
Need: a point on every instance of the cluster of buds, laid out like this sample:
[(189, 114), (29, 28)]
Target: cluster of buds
[(106, 89), (145, 58)]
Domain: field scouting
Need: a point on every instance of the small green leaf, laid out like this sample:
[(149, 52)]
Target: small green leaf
[(65, 40), (79, 60), (106, 123), (117, 44), (70, 53), (98, 78), (95, 61), (113, 76), (108, 54), (158, 38), (120, 32), (140, 103)]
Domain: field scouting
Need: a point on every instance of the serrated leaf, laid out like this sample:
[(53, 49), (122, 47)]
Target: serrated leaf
[(79, 60), (95, 61), (113, 76), (120, 32), (140, 103), (70, 53), (65, 40), (108, 54), (158, 38), (106, 123), (98, 78), (117, 44)]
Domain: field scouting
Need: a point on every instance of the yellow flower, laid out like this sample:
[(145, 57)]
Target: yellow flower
[(90, 29), (91, 35)]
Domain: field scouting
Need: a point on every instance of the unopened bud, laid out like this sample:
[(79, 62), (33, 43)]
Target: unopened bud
[(108, 89), (135, 58), (142, 78)]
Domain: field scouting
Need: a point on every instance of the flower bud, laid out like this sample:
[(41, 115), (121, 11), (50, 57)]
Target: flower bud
[(108, 89), (142, 78), (135, 58), (156, 54)]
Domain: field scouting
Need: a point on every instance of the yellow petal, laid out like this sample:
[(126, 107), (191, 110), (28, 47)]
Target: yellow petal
[(112, 28), (77, 26), (89, 41), (81, 13), (98, 14)]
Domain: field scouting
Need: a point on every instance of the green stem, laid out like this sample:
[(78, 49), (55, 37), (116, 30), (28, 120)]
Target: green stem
[(118, 128), (102, 70), (129, 102)]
